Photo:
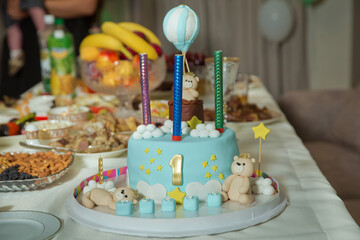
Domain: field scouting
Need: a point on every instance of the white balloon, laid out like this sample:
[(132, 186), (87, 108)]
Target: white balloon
[(276, 20)]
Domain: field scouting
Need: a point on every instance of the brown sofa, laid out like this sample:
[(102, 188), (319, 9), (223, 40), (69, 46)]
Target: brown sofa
[(328, 122)]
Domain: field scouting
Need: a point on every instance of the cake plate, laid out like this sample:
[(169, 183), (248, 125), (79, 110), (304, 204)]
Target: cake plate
[(207, 220)]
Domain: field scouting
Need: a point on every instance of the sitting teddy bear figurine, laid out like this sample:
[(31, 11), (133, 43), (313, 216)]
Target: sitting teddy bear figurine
[(190, 83), (101, 197), (237, 186)]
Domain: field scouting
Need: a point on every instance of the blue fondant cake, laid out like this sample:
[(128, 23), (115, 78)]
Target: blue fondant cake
[(203, 160)]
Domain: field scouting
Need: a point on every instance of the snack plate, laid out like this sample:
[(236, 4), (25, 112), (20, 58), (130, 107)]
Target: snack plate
[(207, 220), (276, 117), (29, 184), (16, 225)]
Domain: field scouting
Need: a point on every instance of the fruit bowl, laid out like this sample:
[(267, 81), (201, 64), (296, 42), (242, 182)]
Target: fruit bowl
[(120, 77)]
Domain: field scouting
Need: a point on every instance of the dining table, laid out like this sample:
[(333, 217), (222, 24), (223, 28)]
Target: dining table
[(313, 210)]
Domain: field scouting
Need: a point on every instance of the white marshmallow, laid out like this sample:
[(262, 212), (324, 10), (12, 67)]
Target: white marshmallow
[(186, 130), (200, 126), (137, 135), (210, 126), (147, 135), (267, 182), (165, 129), (183, 125), (204, 133), (168, 124), (111, 190), (86, 189), (141, 128), (100, 185), (268, 190), (92, 184), (259, 181), (150, 127), (157, 133), (109, 185), (195, 133), (214, 134)]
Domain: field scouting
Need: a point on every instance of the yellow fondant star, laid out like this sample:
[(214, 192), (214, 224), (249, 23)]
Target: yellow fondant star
[(142, 167), (193, 122), (147, 171), (208, 175), (158, 151), (260, 131), (213, 157), (152, 160), (177, 195), (214, 168), (221, 176), (159, 167), (146, 150), (205, 164)]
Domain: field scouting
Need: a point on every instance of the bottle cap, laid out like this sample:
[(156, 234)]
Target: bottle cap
[(58, 33), (59, 21), (49, 19)]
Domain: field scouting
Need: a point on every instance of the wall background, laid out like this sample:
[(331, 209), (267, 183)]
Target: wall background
[(329, 44)]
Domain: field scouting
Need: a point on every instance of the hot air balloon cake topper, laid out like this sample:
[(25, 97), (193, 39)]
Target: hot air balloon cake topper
[(181, 27)]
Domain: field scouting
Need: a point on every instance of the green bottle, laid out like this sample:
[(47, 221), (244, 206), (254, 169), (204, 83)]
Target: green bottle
[(62, 60)]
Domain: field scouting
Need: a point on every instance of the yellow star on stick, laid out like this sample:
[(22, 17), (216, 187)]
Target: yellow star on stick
[(142, 167), (158, 151), (193, 122), (159, 167), (213, 157), (177, 195), (208, 175), (147, 171), (146, 150), (152, 160), (205, 164), (260, 131), (221, 176)]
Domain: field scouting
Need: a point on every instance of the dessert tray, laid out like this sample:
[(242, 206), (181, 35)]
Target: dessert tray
[(29, 184), (275, 117), (207, 220)]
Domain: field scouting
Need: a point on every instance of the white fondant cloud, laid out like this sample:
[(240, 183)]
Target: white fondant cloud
[(262, 186), (156, 192), (201, 190)]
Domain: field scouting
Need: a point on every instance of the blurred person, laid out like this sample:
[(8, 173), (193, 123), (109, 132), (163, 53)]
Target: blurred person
[(79, 16), (35, 9)]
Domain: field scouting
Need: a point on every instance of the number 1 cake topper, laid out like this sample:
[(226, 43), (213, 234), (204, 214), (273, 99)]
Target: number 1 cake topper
[(260, 131), (181, 27)]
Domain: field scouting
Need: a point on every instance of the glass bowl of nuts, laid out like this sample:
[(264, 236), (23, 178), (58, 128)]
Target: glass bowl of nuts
[(20, 171)]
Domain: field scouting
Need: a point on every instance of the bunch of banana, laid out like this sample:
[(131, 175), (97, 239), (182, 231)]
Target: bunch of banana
[(116, 35)]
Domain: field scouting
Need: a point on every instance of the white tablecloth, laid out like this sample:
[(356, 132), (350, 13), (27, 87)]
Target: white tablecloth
[(314, 210)]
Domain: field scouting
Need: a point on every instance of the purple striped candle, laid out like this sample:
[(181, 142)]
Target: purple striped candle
[(178, 80), (145, 89)]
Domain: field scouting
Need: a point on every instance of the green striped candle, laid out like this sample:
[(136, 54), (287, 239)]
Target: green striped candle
[(218, 68)]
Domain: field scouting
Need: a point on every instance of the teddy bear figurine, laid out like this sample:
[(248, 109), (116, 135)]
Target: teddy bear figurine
[(190, 83), (237, 187), (101, 197)]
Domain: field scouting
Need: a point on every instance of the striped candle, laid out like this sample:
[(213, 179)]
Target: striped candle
[(145, 88), (218, 68), (178, 80)]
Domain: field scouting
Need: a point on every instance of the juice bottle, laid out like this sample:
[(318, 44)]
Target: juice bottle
[(62, 58), (44, 52)]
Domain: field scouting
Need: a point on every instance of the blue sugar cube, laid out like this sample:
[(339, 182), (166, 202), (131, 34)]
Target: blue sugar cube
[(147, 205), (168, 205), (214, 199), (191, 203), (124, 208)]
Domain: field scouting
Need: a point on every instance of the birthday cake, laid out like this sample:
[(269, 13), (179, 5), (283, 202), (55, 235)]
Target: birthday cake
[(185, 177)]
